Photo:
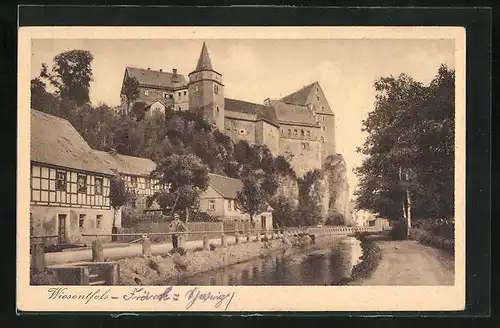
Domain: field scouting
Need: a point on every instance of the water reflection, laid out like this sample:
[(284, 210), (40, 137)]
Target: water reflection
[(316, 266)]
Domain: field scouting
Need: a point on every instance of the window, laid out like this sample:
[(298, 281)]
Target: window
[(81, 220), (301, 133), (323, 128), (217, 109), (133, 181), (289, 132), (305, 145), (82, 184), (146, 92), (317, 98), (322, 108), (308, 133), (322, 139), (185, 92), (61, 181), (179, 94), (242, 131), (165, 95), (295, 132), (148, 183), (211, 205), (179, 107), (196, 88), (323, 118), (171, 96), (98, 186), (98, 221), (229, 204), (216, 89)]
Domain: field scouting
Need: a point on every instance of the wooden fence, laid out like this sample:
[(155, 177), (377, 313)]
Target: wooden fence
[(214, 229)]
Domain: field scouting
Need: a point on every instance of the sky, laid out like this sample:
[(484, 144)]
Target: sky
[(253, 70)]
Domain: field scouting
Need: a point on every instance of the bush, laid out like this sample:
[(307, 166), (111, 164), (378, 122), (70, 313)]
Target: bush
[(429, 239), (398, 231), (179, 250), (47, 277)]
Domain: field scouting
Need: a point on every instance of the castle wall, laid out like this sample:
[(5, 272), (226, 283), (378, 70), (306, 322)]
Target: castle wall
[(328, 133), (306, 154), (181, 100), (267, 134), (240, 130)]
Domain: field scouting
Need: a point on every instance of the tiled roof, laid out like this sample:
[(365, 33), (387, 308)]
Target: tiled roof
[(225, 186), (128, 164), (288, 113), (299, 97), (55, 141), (261, 112), (204, 62), (148, 77)]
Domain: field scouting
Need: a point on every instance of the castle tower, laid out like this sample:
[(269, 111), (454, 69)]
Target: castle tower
[(206, 91)]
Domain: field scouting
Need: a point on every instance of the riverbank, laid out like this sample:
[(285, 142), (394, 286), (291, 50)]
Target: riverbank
[(158, 269), (402, 263)]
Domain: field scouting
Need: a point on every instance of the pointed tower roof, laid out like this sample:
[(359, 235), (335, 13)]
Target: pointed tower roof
[(204, 62)]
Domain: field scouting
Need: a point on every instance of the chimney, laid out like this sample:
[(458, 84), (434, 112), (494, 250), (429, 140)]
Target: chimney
[(267, 101), (161, 70), (174, 72), (149, 68)]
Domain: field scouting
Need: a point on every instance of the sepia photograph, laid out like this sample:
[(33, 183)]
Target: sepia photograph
[(168, 165)]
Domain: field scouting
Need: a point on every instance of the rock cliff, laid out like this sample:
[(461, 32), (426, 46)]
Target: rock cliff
[(335, 198)]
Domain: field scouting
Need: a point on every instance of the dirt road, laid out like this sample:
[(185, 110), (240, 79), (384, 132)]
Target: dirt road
[(408, 263)]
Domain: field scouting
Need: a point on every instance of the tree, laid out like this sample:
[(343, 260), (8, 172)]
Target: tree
[(130, 90), (185, 177), (71, 75), (253, 198), (309, 211), (408, 168), (138, 110), (118, 196), (284, 213)]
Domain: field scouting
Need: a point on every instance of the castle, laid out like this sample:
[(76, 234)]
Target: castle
[(299, 126)]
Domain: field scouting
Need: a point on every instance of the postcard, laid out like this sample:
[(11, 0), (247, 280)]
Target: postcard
[(239, 169)]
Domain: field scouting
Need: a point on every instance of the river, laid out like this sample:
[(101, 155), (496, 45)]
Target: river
[(325, 263)]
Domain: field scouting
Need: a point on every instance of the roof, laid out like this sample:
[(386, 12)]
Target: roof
[(163, 101), (204, 62), (299, 97), (156, 78), (225, 186), (261, 112), (288, 113), (55, 141), (127, 164)]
